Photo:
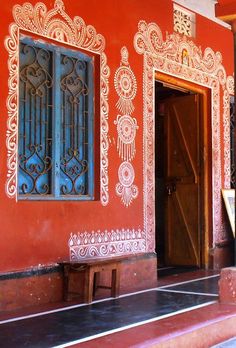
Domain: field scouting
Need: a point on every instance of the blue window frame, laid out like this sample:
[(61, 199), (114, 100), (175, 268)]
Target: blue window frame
[(56, 123)]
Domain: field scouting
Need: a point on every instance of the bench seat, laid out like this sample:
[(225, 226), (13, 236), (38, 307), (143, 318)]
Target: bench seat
[(92, 270)]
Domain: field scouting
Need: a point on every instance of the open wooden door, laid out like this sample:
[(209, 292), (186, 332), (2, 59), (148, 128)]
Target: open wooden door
[(182, 180)]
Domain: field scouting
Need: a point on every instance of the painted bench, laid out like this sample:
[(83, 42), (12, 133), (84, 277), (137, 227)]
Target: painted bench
[(92, 269)]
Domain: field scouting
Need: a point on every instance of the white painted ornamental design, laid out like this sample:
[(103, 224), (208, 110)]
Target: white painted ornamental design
[(229, 90), (203, 68), (54, 24), (126, 129), (184, 21), (108, 243), (126, 88), (125, 84), (125, 188)]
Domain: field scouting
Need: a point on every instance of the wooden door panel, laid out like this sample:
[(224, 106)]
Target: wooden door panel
[(182, 179), (183, 141), (182, 239)]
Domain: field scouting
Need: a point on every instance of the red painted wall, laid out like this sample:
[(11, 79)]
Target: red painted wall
[(33, 233)]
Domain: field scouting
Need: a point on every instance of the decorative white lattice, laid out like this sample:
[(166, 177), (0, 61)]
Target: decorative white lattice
[(184, 21)]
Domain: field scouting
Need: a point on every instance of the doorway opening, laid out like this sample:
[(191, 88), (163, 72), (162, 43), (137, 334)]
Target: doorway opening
[(180, 176)]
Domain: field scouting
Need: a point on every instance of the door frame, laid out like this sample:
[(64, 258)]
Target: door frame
[(205, 162)]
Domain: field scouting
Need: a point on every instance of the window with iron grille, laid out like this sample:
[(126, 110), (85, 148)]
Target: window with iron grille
[(56, 122)]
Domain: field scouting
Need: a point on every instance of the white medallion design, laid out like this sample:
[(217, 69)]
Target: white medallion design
[(125, 188), (126, 129), (125, 84), (204, 68), (54, 24)]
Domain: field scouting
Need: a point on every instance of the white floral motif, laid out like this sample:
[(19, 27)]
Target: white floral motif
[(204, 69), (125, 188), (57, 25)]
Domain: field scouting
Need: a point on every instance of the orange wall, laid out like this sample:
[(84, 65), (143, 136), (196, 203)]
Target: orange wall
[(33, 233)]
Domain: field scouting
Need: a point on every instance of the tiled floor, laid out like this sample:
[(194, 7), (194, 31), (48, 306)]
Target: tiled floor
[(66, 326)]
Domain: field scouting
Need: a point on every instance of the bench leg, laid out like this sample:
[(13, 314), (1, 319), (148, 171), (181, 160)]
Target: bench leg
[(88, 286), (66, 272), (115, 282), (96, 282)]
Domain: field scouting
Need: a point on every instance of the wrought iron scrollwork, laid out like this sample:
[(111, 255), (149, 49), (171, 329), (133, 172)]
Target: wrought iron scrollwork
[(74, 170), (54, 141), (34, 167), (74, 138), (35, 146)]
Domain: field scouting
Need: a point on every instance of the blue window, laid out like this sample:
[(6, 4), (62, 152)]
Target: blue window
[(56, 123)]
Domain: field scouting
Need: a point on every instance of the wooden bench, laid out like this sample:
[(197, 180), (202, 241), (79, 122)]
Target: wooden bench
[(92, 270)]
